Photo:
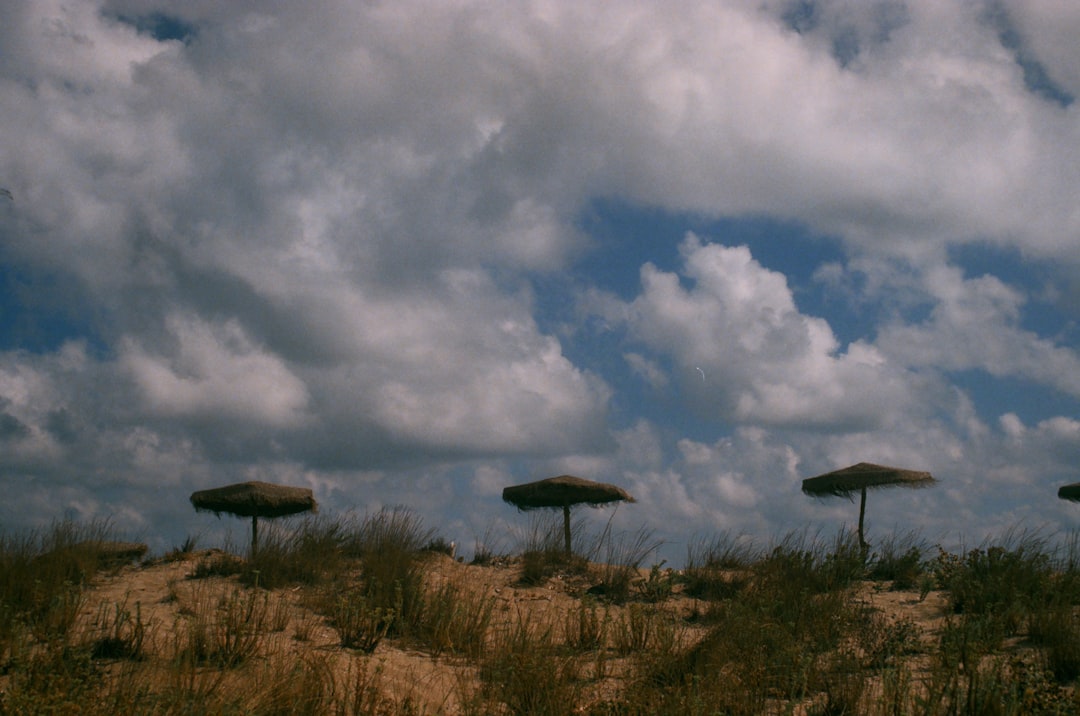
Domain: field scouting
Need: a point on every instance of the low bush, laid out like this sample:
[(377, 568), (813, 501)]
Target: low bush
[(361, 625), (1005, 583)]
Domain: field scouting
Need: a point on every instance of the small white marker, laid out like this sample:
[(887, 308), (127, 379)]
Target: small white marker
[(699, 370)]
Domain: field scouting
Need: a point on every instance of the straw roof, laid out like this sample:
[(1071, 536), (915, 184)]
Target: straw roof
[(1070, 492), (563, 491), (865, 475), (255, 499)]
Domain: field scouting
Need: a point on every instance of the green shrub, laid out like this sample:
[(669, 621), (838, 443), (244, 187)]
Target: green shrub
[(57, 680), (360, 624), (1006, 582), (882, 641), (658, 586)]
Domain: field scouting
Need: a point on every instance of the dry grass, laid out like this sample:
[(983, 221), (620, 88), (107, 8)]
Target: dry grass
[(361, 619)]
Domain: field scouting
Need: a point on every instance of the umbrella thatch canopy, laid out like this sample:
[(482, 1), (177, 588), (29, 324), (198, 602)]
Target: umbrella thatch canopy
[(1070, 492), (860, 478), (255, 499), (564, 492)]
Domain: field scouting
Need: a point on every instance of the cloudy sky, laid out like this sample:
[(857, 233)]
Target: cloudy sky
[(413, 252)]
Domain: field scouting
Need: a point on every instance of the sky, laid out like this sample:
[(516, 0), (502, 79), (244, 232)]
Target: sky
[(409, 253)]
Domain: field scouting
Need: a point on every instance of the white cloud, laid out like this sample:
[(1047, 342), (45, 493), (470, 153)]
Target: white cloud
[(764, 361), (452, 366), (975, 324), (1047, 29), (476, 137), (649, 370), (309, 235), (215, 371), (739, 483)]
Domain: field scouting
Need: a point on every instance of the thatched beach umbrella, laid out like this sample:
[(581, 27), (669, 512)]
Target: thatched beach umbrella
[(255, 499), (1070, 492), (860, 478), (564, 492)]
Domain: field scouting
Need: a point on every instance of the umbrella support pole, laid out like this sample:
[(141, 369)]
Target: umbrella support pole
[(254, 534), (566, 528), (862, 515)]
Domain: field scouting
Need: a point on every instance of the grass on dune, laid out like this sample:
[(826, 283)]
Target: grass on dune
[(742, 629)]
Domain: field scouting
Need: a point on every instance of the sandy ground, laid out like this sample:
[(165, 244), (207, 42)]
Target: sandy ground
[(163, 594)]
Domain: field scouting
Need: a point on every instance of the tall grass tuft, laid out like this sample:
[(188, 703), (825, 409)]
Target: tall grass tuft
[(621, 557), (770, 642), (718, 568), (802, 565), (456, 620), (1056, 630), (586, 627), (543, 552), (487, 549), (121, 631), (899, 559), (224, 631), (526, 671), (41, 580), (360, 624), (391, 575), (310, 554)]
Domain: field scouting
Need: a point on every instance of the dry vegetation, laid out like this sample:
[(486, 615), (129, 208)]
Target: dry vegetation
[(374, 617)]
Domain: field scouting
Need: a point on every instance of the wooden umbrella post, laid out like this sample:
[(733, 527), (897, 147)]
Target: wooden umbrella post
[(862, 515), (566, 528), (254, 535)]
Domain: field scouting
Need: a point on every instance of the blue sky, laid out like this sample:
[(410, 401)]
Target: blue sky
[(411, 253)]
